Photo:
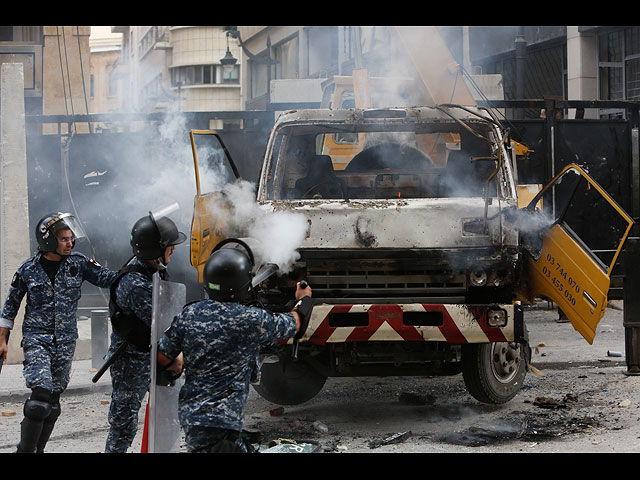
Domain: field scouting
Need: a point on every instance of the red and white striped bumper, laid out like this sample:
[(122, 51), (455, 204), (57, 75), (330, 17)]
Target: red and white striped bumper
[(451, 323)]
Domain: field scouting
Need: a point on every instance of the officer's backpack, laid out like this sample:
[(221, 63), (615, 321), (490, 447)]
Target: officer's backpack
[(129, 327)]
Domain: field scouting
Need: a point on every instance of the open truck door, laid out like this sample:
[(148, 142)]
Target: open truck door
[(573, 254), (214, 168)]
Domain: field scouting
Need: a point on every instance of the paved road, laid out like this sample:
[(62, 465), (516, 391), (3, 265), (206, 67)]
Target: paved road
[(356, 412)]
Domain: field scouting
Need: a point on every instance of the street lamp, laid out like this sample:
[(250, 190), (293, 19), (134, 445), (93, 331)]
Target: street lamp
[(228, 61)]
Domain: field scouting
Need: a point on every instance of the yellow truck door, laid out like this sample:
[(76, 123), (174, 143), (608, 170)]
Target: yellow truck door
[(208, 224), (562, 267)]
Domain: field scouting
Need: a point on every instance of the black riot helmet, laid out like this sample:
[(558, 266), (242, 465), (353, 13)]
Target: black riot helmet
[(227, 274), (48, 227), (151, 236)]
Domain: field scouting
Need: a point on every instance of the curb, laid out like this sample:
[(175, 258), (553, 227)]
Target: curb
[(21, 395)]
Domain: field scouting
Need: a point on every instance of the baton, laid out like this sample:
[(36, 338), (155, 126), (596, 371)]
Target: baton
[(108, 363)]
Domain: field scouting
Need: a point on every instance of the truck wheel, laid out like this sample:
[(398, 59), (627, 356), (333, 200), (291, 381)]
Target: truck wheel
[(289, 383), (493, 372)]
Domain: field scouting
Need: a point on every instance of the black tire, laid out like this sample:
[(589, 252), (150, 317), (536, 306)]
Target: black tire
[(493, 372), (289, 383)]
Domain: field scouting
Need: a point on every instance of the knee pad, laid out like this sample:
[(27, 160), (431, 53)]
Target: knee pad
[(38, 406), (55, 408)]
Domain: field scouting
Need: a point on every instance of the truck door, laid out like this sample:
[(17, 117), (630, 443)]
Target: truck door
[(572, 256), (214, 169)]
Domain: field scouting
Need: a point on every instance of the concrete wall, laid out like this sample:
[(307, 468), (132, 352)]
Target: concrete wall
[(14, 206)]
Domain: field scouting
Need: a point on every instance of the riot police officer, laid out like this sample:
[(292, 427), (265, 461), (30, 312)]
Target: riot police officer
[(51, 280), (153, 240), (220, 340)]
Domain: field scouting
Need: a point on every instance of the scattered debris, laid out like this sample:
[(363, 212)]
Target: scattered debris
[(276, 412), (524, 429), (546, 402), (624, 403), (535, 371), (279, 441), (320, 427), (283, 445), (395, 438), (611, 353), (8, 413), (478, 436), (410, 398)]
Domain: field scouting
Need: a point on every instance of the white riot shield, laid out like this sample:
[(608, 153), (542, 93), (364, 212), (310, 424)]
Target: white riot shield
[(164, 426)]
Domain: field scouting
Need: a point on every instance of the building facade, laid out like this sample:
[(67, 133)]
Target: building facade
[(177, 68), (536, 62), (105, 89)]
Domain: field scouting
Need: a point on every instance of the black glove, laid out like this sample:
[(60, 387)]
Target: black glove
[(303, 307), (166, 378)]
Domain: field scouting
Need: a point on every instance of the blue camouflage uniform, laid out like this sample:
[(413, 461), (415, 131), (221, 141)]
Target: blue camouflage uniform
[(130, 373), (49, 327), (220, 342)]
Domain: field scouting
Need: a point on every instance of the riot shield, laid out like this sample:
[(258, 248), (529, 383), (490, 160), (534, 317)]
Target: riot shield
[(164, 426)]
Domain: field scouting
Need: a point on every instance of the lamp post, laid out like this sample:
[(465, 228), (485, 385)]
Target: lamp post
[(229, 61)]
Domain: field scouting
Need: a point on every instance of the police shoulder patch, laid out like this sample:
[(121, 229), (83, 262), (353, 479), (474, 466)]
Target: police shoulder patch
[(94, 263)]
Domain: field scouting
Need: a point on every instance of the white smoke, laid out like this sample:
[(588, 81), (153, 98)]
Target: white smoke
[(279, 233)]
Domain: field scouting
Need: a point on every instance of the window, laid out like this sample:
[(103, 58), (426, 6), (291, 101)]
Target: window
[(286, 59), (619, 66), (203, 75), (396, 162), (154, 35)]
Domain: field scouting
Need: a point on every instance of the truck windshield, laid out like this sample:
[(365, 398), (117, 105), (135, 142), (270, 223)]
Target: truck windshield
[(324, 162)]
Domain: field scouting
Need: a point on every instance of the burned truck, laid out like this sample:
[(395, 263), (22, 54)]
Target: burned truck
[(416, 250)]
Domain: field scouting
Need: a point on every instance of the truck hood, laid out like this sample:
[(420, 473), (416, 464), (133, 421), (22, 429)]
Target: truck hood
[(404, 223)]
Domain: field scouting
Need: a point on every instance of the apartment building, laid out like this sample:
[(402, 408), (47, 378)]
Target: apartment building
[(177, 68)]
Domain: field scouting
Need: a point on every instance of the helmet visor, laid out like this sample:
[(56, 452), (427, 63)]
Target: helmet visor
[(169, 234), (165, 211), (67, 220)]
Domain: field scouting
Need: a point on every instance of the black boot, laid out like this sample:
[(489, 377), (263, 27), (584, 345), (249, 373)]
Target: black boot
[(30, 431), (36, 409), (48, 424)]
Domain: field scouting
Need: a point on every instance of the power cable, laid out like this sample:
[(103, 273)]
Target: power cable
[(66, 144), (64, 88), (84, 87)]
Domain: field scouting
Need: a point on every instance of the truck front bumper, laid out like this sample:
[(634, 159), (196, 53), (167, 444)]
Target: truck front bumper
[(450, 323)]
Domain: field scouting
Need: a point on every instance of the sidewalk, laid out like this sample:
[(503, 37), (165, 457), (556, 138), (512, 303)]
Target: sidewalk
[(13, 388), (12, 385)]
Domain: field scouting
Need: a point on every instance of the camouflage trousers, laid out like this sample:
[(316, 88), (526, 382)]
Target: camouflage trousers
[(47, 362), (130, 377)]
